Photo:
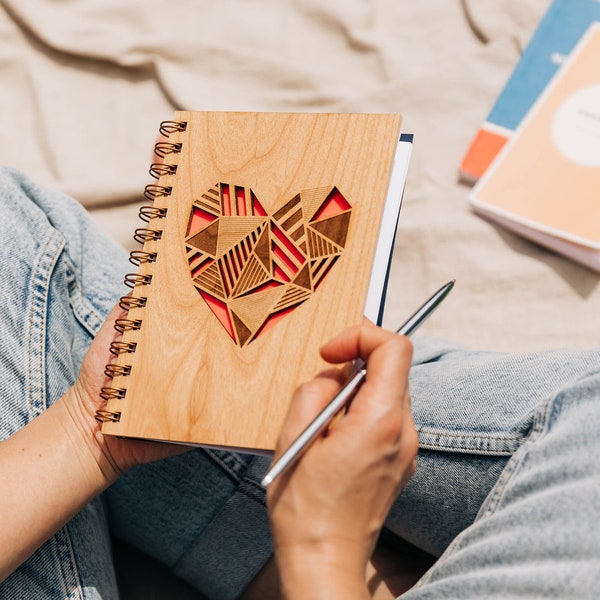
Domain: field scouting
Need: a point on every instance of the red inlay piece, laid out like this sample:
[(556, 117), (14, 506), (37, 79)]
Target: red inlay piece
[(285, 259), (225, 276), (291, 247), (220, 311), (274, 319), (240, 255), (240, 196), (265, 286), (201, 266), (327, 269), (225, 199), (199, 220), (334, 204), (279, 274), (257, 208)]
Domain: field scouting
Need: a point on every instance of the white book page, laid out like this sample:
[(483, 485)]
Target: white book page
[(389, 222)]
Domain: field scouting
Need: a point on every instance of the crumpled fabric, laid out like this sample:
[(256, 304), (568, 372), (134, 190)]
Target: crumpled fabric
[(84, 85)]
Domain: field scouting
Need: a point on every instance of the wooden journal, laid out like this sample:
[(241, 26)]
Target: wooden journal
[(259, 247)]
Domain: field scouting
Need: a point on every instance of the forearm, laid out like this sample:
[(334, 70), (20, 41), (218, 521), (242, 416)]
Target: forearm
[(326, 513), (49, 470)]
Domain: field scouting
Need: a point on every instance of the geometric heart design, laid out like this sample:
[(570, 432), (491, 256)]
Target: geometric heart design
[(253, 269)]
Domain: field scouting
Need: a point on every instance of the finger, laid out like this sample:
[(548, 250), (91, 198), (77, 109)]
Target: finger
[(382, 397), (92, 373), (308, 401), (107, 332), (388, 357), (358, 342)]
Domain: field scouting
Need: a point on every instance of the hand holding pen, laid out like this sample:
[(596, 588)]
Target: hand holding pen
[(348, 391), (326, 511)]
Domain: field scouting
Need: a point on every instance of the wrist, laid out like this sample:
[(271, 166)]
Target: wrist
[(327, 572), (87, 439), (52, 468)]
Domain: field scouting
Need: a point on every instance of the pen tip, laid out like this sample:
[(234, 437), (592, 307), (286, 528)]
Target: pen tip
[(266, 481)]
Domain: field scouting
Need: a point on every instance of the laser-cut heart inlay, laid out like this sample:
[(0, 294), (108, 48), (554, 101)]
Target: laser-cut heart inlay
[(253, 269)]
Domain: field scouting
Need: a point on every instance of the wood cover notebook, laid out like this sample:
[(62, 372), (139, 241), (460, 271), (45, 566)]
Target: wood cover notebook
[(259, 247)]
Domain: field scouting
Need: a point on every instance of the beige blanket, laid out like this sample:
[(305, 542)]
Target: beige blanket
[(85, 83)]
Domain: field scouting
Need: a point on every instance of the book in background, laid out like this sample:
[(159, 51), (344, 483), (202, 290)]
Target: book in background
[(545, 183), (269, 233), (558, 32)]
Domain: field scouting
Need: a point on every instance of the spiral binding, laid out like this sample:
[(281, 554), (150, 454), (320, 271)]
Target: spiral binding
[(114, 370), (129, 302), (154, 191), (161, 149), (167, 127), (110, 393), (135, 281), (151, 212), (146, 235), (106, 416), (123, 325), (118, 347), (159, 169), (137, 257)]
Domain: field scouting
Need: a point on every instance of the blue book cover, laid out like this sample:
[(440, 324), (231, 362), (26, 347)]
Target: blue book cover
[(557, 34)]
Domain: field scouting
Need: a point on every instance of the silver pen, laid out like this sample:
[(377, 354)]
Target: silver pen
[(348, 391)]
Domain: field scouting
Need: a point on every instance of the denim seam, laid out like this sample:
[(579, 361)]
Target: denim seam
[(40, 283), (253, 490), (42, 271), (67, 555), (83, 309), (223, 464), (540, 420), (486, 444), (491, 503)]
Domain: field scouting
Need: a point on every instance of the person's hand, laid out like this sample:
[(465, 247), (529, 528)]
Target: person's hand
[(326, 511), (114, 454)]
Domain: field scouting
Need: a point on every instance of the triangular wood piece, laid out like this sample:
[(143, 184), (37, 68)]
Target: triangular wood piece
[(209, 280), (320, 245), (262, 250), (254, 308), (303, 279), (335, 228), (334, 204), (234, 230), (288, 210), (292, 297), (312, 200), (243, 333), (206, 240), (253, 275)]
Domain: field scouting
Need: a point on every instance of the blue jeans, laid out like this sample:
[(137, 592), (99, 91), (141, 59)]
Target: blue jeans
[(507, 489)]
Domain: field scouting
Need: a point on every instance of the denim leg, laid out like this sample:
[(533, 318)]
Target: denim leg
[(202, 514), (508, 459), (57, 276), (507, 478)]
